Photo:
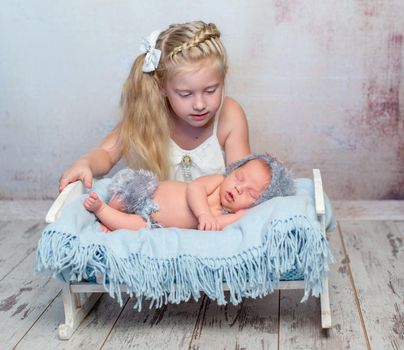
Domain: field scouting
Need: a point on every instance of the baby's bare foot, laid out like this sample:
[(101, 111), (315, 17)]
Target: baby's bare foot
[(93, 203)]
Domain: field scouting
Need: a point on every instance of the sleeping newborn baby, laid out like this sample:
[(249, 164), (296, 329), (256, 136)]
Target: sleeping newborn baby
[(207, 203)]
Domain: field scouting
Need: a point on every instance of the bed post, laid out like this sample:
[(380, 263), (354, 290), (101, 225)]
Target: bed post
[(320, 210), (71, 192), (76, 307)]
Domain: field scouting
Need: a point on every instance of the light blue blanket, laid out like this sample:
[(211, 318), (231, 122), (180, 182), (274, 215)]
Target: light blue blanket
[(277, 237)]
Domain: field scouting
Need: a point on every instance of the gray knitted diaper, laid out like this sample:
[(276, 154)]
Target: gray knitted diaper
[(136, 189)]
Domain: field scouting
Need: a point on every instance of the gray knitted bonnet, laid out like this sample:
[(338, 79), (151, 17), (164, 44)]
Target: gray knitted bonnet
[(282, 183)]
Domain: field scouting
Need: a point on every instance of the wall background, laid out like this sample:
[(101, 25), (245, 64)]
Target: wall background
[(322, 84)]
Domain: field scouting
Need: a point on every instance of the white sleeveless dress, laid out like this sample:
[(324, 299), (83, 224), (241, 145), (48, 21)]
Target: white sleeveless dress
[(206, 159)]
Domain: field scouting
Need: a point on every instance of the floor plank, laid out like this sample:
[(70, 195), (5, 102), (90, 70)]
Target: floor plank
[(18, 239), (169, 327), (91, 334), (253, 324), (23, 298), (376, 253), (24, 209), (300, 323)]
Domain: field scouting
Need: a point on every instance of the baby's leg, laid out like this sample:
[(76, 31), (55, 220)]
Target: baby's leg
[(117, 203), (112, 218), (93, 203)]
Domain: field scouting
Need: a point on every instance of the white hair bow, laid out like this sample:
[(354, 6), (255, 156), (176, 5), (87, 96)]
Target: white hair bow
[(152, 58)]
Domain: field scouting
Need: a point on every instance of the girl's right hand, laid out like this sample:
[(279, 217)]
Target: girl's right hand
[(80, 170)]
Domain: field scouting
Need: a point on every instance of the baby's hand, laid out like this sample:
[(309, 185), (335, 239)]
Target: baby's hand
[(80, 170), (208, 222)]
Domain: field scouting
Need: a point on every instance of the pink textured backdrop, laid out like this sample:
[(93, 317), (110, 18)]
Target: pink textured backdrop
[(321, 83)]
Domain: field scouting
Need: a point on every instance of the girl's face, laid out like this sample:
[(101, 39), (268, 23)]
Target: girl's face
[(195, 95), (243, 186)]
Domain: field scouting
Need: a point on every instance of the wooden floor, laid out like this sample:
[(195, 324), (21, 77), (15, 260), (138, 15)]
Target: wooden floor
[(366, 292)]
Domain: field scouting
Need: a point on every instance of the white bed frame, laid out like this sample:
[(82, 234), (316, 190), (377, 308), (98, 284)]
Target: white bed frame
[(80, 297)]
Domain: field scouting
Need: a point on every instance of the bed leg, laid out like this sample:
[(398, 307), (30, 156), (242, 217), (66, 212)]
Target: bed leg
[(325, 306), (325, 295), (320, 210), (75, 309)]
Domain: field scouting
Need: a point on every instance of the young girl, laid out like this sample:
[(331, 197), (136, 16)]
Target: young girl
[(175, 120)]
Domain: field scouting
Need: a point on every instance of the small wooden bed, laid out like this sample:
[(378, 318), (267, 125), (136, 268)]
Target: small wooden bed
[(80, 297)]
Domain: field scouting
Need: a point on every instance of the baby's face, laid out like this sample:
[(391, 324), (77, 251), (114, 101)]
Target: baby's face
[(242, 187)]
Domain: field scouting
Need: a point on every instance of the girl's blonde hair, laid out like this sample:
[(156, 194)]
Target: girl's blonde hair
[(144, 130)]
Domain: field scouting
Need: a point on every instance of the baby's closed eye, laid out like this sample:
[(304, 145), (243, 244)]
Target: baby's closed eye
[(253, 194)]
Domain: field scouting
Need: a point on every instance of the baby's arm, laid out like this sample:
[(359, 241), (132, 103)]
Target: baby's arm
[(112, 218), (227, 219), (197, 199)]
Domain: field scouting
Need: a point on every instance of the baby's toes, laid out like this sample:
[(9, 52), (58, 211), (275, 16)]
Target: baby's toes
[(93, 196), (88, 203)]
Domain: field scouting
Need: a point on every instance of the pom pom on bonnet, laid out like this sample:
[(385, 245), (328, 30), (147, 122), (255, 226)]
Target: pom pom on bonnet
[(281, 184)]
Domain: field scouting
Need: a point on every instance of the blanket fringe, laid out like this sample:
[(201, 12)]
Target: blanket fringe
[(252, 273)]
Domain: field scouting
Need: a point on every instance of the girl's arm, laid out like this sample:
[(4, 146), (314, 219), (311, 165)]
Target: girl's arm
[(233, 131), (197, 195), (97, 162)]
